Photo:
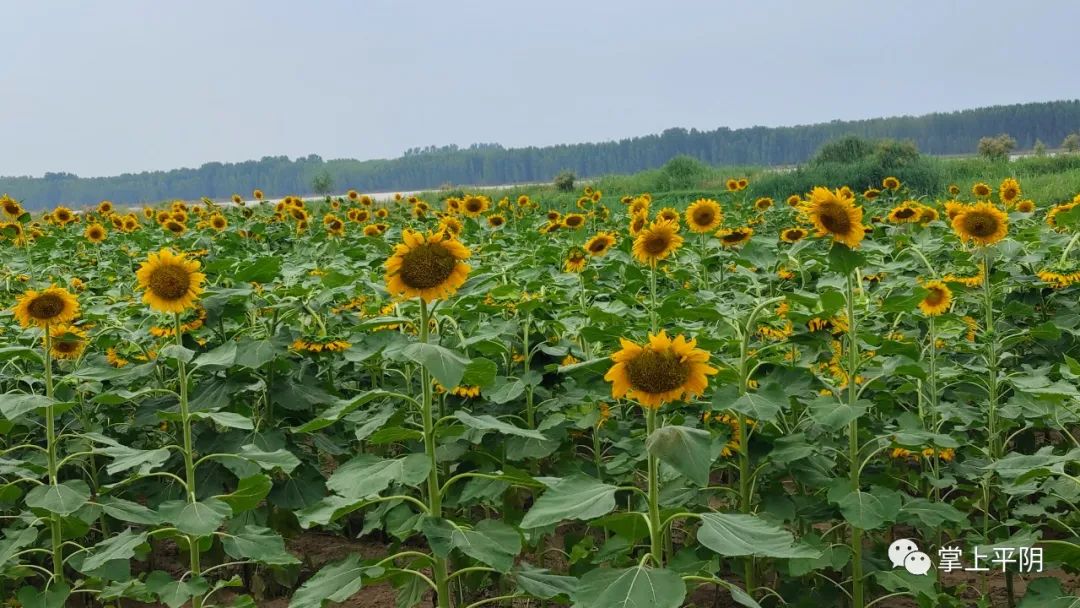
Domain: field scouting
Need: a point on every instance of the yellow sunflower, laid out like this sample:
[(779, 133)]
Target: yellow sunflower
[(599, 244), (890, 183), (10, 206), (764, 203), (573, 221), (637, 224), (742, 183), (1009, 191), (938, 298), (474, 205), (257, 194), (62, 215), (451, 225), (927, 214), (660, 371), (171, 282), (639, 206), (175, 227), (954, 208), (983, 223), (95, 233), (105, 207), (904, 213), (668, 214), (734, 237), (68, 341), (871, 193), (704, 215), (334, 226), (50, 306), (427, 267), (372, 230), (981, 190), (218, 222), (792, 235), (576, 260), (954, 190), (794, 201), (656, 242), (1025, 206), (835, 215)]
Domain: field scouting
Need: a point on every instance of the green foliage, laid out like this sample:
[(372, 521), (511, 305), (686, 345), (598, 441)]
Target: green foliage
[(322, 183), (996, 148), (564, 182)]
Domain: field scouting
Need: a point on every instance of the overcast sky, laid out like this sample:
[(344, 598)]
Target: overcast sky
[(100, 88)]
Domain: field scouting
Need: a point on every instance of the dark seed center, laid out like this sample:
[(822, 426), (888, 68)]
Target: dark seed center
[(979, 224), (935, 297), (835, 219), (703, 216), (655, 244), (46, 306), (427, 266), (170, 282), (656, 372)]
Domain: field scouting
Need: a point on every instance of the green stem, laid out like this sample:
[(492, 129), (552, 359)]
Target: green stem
[(653, 318), (189, 465), (442, 579), (853, 444), (656, 533), (50, 444), (745, 497)]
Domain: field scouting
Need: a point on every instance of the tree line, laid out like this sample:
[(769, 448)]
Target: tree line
[(491, 164)]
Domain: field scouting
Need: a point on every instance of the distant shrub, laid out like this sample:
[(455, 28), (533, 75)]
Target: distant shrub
[(564, 182), (1071, 143), (997, 148), (680, 173), (848, 149)]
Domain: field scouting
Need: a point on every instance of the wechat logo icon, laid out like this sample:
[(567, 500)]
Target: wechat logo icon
[(904, 553)]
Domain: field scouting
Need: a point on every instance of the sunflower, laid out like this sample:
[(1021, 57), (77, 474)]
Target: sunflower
[(105, 207), (553, 216), (1025, 206), (1058, 280), (95, 233), (496, 220), (573, 221), (792, 235), (171, 282), (668, 214), (835, 215), (382, 213), (639, 206), (657, 242), (954, 208), (452, 225), (637, 224), (742, 183), (427, 267), (1009, 191), (904, 213), (871, 193), (598, 245), (372, 230), (68, 341), (938, 298), (117, 222), (10, 206), (734, 237), (366, 200), (51, 306), (763, 204), (474, 205), (794, 201), (704, 215), (258, 194), (954, 190), (981, 190), (524, 200), (62, 215), (334, 226), (353, 195), (890, 183), (659, 371), (175, 227), (218, 222), (927, 214), (576, 260), (983, 223)]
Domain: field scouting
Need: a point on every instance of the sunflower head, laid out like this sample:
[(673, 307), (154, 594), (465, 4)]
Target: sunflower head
[(794, 201), (668, 214), (890, 183), (67, 341), (904, 213), (835, 215), (982, 223), (62, 215), (10, 206), (938, 298), (1009, 191), (474, 204), (427, 267), (218, 222), (258, 194), (704, 215), (95, 233), (742, 183), (954, 190), (496, 220), (734, 237), (50, 306), (576, 260), (763, 203), (793, 235), (871, 193), (657, 242), (573, 221), (170, 282), (981, 190), (372, 230), (105, 207), (660, 371), (598, 245), (1025, 206)]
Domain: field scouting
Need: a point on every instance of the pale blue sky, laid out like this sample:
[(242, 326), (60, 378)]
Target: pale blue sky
[(99, 88)]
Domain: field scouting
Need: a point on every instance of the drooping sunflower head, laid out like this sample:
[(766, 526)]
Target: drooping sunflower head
[(427, 267), (637, 224), (927, 214), (668, 214), (1025, 206), (734, 237), (704, 215), (170, 282), (982, 223), (237, 199), (938, 298), (904, 213), (599, 244), (10, 206), (50, 306), (890, 183), (657, 242), (981, 190), (1009, 191), (573, 221), (793, 235), (95, 233), (67, 341), (174, 227), (576, 260), (660, 371), (835, 215)]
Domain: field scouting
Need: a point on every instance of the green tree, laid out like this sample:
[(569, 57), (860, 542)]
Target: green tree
[(564, 182), (1039, 149), (996, 148), (1071, 143), (323, 183)]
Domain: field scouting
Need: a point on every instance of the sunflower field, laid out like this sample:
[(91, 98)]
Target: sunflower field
[(623, 401)]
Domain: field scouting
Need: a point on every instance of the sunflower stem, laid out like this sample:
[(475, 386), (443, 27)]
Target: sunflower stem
[(439, 565), (653, 317), (189, 465), (656, 533), (853, 443), (50, 445)]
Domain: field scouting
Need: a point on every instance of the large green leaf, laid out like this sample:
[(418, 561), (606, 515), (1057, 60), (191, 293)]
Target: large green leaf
[(259, 544), (250, 491), (62, 499), (128, 511), (13, 405), (125, 458), (336, 582), (174, 593), (490, 542), (737, 534), (636, 587), (277, 459), (54, 596), (762, 405), (338, 411), (866, 510), (487, 422), (447, 366), (367, 475), (14, 541), (541, 583), (575, 497), (119, 546), (689, 451), (197, 518), (932, 514), (230, 420), (479, 372), (222, 356)]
